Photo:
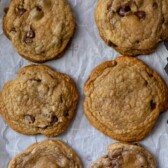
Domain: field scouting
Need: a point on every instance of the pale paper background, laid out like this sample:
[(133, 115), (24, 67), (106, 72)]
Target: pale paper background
[(86, 51)]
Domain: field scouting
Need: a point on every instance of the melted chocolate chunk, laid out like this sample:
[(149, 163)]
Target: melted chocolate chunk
[(146, 83), (20, 10), (155, 5), (152, 105), (66, 113), (116, 156), (112, 165), (137, 42), (123, 10), (150, 75), (29, 36), (54, 119), (36, 80), (38, 8), (140, 14), (30, 119), (13, 29)]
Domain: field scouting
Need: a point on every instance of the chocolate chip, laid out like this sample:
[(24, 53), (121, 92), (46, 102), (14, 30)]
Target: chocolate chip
[(137, 42), (150, 75), (6, 10), (155, 5), (66, 113), (145, 83), (109, 7), (152, 105), (112, 165), (13, 29), (38, 8), (115, 156), (29, 36), (30, 119), (54, 119), (123, 10), (20, 10), (140, 14), (111, 44), (36, 80)]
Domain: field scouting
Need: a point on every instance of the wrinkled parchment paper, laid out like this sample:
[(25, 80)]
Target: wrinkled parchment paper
[(86, 51)]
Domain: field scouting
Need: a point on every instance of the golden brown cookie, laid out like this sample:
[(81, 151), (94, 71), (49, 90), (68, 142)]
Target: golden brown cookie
[(39, 29), (132, 27), (47, 154), (124, 97), (39, 101), (123, 155)]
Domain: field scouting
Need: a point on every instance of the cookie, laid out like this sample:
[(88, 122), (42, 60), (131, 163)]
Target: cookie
[(125, 155), (49, 153), (132, 27), (40, 30), (39, 101), (124, 97)]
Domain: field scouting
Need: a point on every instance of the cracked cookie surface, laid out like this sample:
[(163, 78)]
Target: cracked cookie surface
[(39, 101), (124, 97), (49, 153), (123, 155), (39, 29), (132, 27)]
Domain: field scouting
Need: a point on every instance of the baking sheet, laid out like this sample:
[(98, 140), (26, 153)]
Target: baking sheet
[(86, 51)]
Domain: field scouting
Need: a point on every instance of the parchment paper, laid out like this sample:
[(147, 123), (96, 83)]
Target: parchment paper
[(86, 51)]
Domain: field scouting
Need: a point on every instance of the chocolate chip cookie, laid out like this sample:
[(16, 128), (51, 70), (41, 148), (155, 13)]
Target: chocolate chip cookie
[(47, 154), (39, 101), (39, 29), (132, 27), (125, 155), (124, 97)]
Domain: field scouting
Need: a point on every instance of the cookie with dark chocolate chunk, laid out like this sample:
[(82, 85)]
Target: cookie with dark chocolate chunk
[(125, 155), (134, 26), (124, 98), (42, 28), (39, 101)]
